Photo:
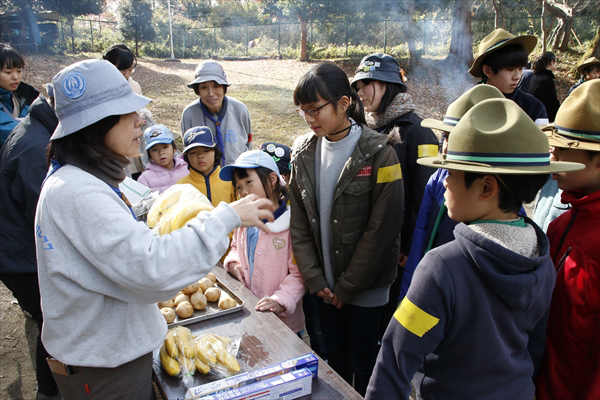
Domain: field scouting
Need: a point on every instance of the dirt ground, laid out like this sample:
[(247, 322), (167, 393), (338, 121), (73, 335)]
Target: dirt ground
[(432, 86)]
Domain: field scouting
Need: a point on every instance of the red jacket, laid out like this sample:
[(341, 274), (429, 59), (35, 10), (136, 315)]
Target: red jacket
[(571, 365)]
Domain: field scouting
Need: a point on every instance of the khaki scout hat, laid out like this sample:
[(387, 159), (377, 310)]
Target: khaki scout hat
[(577, 123), (460, 106), (587, 63), (497, 40), (497, 137)]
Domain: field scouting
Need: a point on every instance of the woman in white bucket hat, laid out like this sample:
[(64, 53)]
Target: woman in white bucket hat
[(227, 117), (101, 272)]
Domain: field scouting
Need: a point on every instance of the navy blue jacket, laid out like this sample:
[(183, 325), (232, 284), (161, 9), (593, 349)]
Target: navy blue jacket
[(532, 106), (475, 325), (433, 199), (23, 168)]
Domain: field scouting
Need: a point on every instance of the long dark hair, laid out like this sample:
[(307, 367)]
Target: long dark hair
[(86, 145), (391, 91), (121, 56), (278, 192), (540, 63), (330, 82)]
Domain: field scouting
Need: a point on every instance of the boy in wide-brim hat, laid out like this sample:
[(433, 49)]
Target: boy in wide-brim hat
[(472, 323), (500, 62), (589, 69), (571, 368), (433, 226)]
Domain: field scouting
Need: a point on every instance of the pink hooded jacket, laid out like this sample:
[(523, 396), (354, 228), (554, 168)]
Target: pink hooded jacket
[(160, 178), (275, 271)]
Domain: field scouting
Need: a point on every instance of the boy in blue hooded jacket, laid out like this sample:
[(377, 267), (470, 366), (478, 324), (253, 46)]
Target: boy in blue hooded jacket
[(472, 324)]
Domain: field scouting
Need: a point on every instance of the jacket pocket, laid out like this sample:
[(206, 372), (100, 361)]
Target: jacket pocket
[(356, 204)]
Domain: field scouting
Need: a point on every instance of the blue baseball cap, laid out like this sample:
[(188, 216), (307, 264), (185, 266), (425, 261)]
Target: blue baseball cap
[(198, 136), (249, 159), (157, 134)]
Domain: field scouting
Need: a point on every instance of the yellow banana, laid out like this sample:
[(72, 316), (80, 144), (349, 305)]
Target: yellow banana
[(183, 337), (219, 346), (201, 366), (187, 365), (169, 364), (204, 352), (170, 344), (186, 212)]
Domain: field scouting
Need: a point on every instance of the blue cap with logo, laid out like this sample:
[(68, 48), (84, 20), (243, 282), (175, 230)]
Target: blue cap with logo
[(89, 91), (157, 134), (198, 136), (249, 159)]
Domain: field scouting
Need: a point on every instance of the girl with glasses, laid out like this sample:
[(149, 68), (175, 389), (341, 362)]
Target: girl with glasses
[(346, 197)]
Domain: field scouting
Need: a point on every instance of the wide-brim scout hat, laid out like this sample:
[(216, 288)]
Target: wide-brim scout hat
[(88, 91), (198, 136), (497, 137), (379, 67), (588, 62), (460, 106), (209, 71), (249, 160), (577, 122), (497, 40)]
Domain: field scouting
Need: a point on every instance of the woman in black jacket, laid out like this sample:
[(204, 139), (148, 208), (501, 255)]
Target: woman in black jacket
[(542, 84), (381, 86)]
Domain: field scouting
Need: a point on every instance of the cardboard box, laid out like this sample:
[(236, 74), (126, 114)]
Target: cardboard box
[(308, 361), (288, 386)]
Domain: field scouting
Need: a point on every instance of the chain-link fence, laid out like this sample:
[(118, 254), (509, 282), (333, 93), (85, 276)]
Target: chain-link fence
[(325, 39)]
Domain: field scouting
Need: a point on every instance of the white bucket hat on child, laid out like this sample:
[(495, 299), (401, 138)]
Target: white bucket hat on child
[(249, 159), (157, 134), (209, 71), (88, 91)]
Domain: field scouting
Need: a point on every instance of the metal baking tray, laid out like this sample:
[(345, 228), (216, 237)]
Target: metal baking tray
[(212, 310)]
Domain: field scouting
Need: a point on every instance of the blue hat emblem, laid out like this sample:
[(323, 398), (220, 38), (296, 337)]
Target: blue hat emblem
[(74, 85)]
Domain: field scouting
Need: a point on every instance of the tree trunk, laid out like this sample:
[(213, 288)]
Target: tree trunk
[(499, 21), (566, 37), (409, 32), (461, 45), (303, 39), (71, 22)]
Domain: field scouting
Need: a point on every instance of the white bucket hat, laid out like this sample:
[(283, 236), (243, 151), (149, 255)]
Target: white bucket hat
[(88, 91), (209, 71)]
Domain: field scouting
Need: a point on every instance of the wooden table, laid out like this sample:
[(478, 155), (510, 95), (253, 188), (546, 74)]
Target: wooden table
[(265, 341)]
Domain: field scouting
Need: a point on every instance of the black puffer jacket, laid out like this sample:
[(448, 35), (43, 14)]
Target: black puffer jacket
[(23, 168), (415, 141), (543, 88)]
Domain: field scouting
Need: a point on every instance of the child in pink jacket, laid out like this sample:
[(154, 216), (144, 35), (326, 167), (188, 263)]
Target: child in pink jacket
[(264, 262), (165, 168)]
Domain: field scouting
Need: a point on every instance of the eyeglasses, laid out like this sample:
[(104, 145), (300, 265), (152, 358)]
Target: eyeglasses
[(314, 111)]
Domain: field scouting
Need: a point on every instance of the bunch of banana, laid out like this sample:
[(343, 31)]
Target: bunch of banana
[(182, 354), (164, 201), (175, 207), (210, 347)]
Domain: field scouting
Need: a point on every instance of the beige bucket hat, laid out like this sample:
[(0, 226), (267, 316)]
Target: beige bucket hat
[(497, 40), (460, 106), (577, 123), (497, 137), (588, 62)]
